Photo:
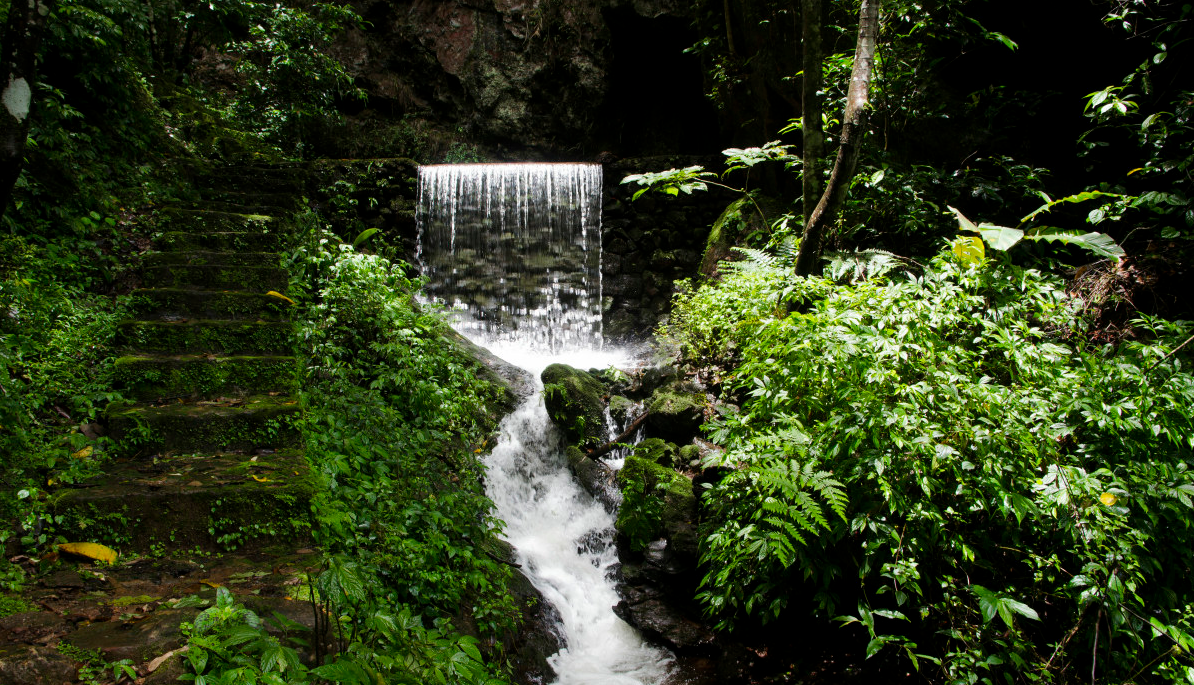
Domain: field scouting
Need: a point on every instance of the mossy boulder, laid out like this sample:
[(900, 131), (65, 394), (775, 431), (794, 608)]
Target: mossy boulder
[(656, 500), (740, 219), (575, 402), (690, 455), (658, 451), (675, 414)]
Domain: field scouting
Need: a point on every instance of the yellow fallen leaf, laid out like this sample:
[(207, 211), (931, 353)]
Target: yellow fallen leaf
[(259, 479), (280, 296), (1108, 499), (211, 584), (91, 550), (83, 453)]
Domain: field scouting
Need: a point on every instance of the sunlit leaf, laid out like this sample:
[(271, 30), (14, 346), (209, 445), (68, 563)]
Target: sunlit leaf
[(969, 249), (280, 296), (90, 550)]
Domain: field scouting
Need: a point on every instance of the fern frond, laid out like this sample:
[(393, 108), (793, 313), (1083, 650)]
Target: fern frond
[(795, 496), (752, 260), (862, 264)]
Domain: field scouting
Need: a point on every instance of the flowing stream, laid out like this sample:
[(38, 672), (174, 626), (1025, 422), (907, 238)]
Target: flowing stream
[(537, 226)]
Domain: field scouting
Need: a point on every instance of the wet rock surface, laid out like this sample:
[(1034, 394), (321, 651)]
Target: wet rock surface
[(595, 477), (656, 597)]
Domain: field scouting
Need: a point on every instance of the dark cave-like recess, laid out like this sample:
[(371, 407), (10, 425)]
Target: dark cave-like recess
[(656, 102)]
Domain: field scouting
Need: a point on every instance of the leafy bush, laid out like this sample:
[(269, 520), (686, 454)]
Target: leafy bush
[(56, 354), (395, 414), (950, 441)]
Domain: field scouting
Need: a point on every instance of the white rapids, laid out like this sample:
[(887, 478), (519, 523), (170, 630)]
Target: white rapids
[(564, 541)]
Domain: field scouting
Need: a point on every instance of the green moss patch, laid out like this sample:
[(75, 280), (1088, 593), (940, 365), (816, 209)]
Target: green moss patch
[(206, 501), (221, 337), (216, 277), (574, 400), (655, 499), (205, 304), (207, 221), (210, 258), (228, 241), (237, 424), (155, 377)]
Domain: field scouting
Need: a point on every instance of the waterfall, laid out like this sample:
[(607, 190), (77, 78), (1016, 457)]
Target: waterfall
[(515, 250)]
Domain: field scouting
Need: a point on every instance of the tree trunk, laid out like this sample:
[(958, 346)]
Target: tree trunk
[(810, 118), (22, 37), (853, 131)]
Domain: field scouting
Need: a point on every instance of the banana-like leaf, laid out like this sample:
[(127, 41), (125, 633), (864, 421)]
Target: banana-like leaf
[(1098, 243), (1080, 197), (998, 237)]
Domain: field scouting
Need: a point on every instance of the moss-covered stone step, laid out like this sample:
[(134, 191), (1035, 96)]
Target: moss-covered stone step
[(247, 207), (223, 241), (186, 303), (212, 258), (156, 377), (213, 221), (248, 196), (216, 277), (229, 424), (278, 179), (198, 335), (211, 502)]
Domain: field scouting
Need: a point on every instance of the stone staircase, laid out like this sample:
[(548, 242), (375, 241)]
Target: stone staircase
[(210, 454), (210, 485)]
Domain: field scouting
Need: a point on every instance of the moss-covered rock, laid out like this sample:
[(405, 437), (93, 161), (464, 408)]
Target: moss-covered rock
[(675, 415), (690, 455), (658, 451), (656, 500), (575, 403), (741, 218)]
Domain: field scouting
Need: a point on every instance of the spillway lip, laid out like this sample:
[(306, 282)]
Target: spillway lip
[(507, 164)]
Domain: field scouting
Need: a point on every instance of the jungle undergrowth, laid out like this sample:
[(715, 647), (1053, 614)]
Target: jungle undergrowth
[(939, 458)]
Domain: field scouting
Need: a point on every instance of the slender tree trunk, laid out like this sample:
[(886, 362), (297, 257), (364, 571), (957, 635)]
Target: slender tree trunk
[(22, 37), (725, 6), (810, 118), (853, 131)]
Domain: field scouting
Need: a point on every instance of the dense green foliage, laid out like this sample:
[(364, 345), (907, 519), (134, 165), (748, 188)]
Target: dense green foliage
[(393, 414), (926, 451)]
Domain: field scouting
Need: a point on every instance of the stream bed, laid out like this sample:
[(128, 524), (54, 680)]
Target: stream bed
[(564, 540)]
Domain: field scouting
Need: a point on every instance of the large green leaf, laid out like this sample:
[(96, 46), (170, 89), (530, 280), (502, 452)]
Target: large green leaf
[(1080, 197), (969, 250), (1098, 243), (998, 237)]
